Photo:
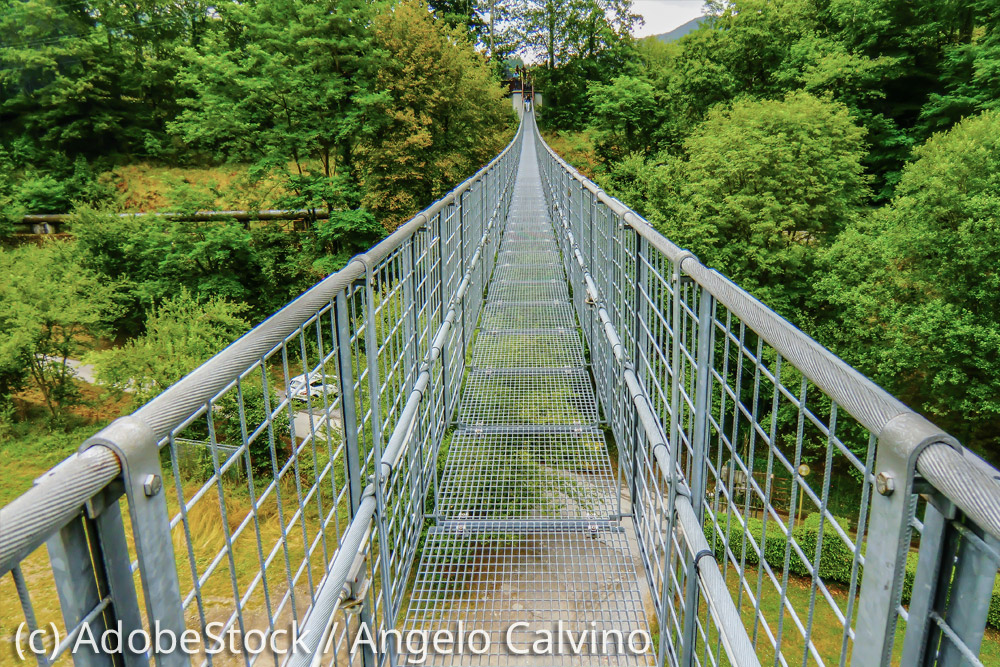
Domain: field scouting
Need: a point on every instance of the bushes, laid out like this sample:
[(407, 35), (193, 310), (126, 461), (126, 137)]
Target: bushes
[(836, 558)]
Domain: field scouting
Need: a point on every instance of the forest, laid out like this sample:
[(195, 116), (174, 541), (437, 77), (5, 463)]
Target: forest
[(367, 111), (840, 159)]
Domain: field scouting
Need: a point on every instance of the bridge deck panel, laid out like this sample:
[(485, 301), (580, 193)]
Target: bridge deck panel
[(528, 315), (543, 579)]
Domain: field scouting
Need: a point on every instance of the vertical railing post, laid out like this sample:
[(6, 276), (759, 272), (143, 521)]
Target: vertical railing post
[(699, 456), (900, 442), (935, 551), (641, 248), (90, 559), (136, 447), (375, 400), (968, 602), (462, 268), (444, 305), (349, 421), (411, 338), (673, 439), (954, 579)]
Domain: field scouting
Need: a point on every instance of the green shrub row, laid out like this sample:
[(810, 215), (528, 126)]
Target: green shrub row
[(836, 557)]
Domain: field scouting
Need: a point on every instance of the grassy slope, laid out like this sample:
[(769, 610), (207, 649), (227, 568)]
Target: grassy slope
[(577, 148), (144, 186)]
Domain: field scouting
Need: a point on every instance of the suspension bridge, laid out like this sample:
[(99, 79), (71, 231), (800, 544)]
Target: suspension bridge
[(523, 413)]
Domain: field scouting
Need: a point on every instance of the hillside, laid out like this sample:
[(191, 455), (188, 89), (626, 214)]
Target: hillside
[(680, 31)]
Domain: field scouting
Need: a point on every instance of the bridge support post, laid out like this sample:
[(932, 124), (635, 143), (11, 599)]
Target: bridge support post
[(639, 314), (900, 443), (375, 400), (136, 447), (954, 580), (460, 203), (352, 451), (699, 456), (90, 560)]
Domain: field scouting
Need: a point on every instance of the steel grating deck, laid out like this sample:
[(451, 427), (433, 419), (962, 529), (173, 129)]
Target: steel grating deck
[(525, 316), (526, 530), (527, 476), (539, 578), (528, 398), (550, 290), (508, 349), (527, 273)]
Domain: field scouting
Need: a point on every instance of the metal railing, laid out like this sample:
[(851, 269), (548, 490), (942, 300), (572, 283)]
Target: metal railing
[(320, 431), (720, 408)]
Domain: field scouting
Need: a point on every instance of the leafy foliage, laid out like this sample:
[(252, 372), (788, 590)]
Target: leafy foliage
[(151, 258), (918, 282), (248, 84), (443, 119), (625, 111), (180, 334), (51, 310), (790, 143), (761, 184)]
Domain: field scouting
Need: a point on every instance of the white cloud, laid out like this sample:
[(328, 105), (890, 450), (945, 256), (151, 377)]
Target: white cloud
[(665, 15)]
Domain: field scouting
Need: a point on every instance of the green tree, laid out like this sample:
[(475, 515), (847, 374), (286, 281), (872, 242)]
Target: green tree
[(558, 31), (764, 185), (578, 42), (180, 334), (970, 68), (151, 258), (446, 115), (625, 112), (287, 85), (93, 77), (916, 285), (52, 310)]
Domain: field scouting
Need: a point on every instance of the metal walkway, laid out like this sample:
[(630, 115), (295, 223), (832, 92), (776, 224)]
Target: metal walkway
[(526, 529)]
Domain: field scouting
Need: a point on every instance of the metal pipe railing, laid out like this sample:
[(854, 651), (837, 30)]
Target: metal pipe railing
[(739, 648), (197, 216)]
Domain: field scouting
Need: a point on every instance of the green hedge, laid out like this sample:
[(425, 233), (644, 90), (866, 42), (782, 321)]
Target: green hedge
[(836, 557)]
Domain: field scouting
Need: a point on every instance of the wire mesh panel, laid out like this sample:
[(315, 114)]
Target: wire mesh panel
[(528, 273), (518, 476), (528, 315), (520, 398), (537, 349), (542, 291), (518, 585)]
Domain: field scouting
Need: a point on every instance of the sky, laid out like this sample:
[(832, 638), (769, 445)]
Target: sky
[(665, 15)]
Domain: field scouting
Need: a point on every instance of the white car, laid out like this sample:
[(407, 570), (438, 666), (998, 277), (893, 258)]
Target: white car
[(301, 389)]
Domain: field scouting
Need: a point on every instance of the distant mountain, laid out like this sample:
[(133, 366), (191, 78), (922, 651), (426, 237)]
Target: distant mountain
[(680, 31)]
